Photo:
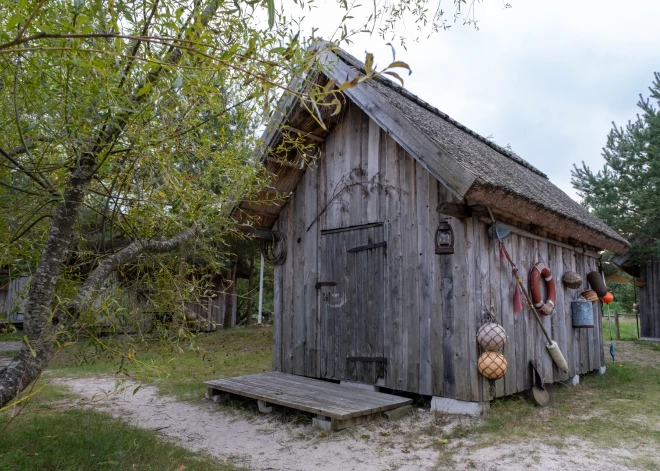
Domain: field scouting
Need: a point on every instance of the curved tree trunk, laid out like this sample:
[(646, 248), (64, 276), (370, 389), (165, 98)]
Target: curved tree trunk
[(41, 326), (40, 332), (40, 323)]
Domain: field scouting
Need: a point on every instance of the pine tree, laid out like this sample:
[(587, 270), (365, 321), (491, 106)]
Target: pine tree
[(626, 192)]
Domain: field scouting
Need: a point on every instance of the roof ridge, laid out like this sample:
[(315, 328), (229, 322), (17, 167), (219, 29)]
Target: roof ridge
[(354, 62)]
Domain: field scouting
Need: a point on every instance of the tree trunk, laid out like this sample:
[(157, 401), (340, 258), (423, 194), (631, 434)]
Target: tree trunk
[(40, 323), (40, 326), (40, 332)]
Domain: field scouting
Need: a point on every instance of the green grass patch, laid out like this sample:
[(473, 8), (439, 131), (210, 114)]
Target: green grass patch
[(49, 436), (627, 328), (615, 409), (11, 336), (178, 371)]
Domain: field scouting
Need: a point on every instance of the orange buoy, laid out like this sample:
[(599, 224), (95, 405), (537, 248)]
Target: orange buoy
[(492, 365), (608, 298)]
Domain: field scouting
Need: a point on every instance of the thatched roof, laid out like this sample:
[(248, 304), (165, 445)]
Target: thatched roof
[(474, 169), (504, 180)]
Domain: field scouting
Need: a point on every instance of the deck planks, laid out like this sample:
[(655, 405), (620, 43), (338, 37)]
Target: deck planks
[(310, 395)]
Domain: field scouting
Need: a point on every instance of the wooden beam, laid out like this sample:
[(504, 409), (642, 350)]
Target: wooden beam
[(270, 190), (524, 233), (256, 212), (310, 135), (286, 163), (455, 210), (258, 232)]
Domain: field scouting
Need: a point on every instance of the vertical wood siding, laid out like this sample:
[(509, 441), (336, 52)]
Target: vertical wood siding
[(432, 304), (649, 300), (13, 298)]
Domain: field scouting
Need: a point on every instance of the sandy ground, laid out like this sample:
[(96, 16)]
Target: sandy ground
[(12, 346), (5, 348), (266, 443), (524, 456)]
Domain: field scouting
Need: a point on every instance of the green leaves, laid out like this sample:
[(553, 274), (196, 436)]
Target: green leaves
[(271, 13), (15, 20), (368, 63), (625, 193), (400, 64), (145, 89)]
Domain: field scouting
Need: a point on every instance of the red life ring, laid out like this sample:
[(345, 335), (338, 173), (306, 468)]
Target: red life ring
[(538, 270)]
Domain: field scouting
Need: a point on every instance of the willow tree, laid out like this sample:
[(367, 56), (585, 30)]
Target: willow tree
[(126, 132)]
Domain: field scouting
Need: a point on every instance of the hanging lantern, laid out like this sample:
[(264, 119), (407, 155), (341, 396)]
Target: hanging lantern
[(608, 298), (444, 238)]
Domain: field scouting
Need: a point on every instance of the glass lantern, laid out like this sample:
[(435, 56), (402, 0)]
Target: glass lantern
[(444, 238)]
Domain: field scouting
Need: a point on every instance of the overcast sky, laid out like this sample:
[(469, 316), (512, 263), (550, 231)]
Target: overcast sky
[(547, 77)]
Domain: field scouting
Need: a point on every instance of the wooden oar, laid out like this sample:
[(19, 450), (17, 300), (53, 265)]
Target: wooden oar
[(552, 346)]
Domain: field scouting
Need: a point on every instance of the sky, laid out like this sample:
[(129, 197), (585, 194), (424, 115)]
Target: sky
[(547, 77)]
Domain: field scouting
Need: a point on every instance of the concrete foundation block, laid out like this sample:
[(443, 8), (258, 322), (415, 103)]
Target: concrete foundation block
[(217, 396), (322, 422), (454, 406), (221, 398), (264, 407), (602, 370), (396, 414), (574, 381), (353, 384)]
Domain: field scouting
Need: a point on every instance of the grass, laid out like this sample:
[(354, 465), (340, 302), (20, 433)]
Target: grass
[(11, 336), (234, 352), (49, 436), (618, 409), (627, 328)]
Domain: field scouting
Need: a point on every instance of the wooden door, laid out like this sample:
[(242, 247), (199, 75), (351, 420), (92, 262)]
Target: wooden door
[(350, 292)]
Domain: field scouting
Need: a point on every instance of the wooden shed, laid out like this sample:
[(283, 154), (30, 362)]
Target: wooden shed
[(647, 281), (13, 297), (362, 295)]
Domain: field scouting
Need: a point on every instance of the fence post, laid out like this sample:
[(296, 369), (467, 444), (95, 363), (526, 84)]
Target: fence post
[(616, 325)]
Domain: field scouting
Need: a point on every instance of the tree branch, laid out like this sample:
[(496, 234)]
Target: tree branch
[(29, 20), (86, 294), (19, 166)]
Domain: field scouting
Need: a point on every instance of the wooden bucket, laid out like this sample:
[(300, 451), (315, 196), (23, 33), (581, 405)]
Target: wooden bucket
[(583, 315)]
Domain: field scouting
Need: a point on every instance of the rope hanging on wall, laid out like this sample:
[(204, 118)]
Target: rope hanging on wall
[(275, 250)]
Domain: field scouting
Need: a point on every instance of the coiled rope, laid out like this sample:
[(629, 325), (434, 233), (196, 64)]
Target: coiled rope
[(275, 250)]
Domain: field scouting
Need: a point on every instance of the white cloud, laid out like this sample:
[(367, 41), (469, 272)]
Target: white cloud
[(546, 76)]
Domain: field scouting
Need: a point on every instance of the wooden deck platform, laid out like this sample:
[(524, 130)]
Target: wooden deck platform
[(336, 406)]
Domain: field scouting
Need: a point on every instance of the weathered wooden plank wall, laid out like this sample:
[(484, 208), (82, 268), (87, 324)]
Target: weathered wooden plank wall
[(220, 307), (13, 297), (433, 304), (649, 300)]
